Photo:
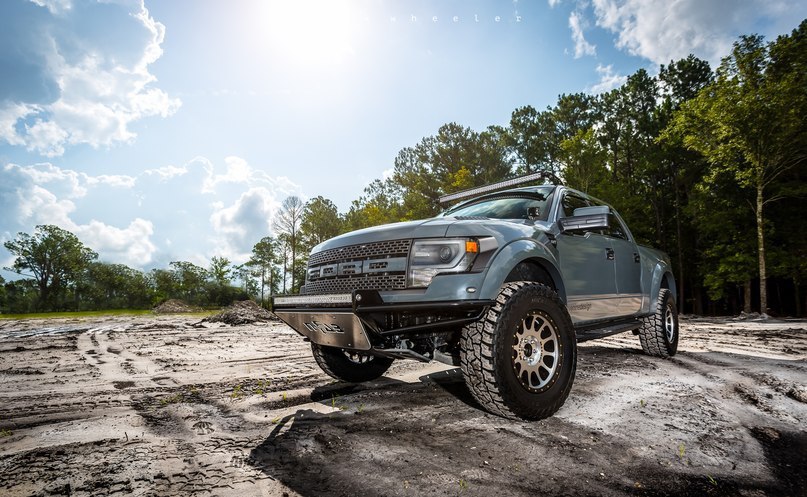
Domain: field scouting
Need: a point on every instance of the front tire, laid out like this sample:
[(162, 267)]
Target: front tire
[(519, 361), (349, 366), (659, 331)]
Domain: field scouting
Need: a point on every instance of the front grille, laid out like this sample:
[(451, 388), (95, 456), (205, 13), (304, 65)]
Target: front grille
[(368, 282), (390, 248), (371, 266)]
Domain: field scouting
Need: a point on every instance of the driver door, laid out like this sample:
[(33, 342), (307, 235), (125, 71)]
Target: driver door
[(587, 263)]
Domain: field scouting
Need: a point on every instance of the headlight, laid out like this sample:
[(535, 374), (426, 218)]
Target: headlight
[(428, 258)]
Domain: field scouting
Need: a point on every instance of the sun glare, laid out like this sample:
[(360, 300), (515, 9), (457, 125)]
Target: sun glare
[(308, 33)]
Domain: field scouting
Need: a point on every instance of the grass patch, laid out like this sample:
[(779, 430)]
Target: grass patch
[(172, 399)]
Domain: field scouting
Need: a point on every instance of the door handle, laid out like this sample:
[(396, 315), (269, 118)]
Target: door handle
[(609, 254), (636, 257)]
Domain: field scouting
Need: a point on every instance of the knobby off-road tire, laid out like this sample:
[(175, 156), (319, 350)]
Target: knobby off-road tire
[(353, 367), (519, 360), (659, 331)]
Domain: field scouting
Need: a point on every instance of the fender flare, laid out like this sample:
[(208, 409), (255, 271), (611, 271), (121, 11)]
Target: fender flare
[(514, 253), (662, 278)]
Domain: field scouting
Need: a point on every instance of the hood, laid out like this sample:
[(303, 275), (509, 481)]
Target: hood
[(438, 227), (428, 228)]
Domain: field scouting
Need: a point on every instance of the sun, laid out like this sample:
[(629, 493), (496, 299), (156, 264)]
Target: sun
[(307, 33)]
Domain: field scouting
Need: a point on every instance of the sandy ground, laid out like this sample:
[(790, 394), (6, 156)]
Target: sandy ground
[(166, 406)]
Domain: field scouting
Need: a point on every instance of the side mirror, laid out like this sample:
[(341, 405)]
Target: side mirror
[(585, 219)]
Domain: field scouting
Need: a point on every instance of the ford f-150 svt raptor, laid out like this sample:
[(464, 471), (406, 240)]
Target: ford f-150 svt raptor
[(503, 285)]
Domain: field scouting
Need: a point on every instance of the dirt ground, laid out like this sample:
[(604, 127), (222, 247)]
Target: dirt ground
[(165, 405)]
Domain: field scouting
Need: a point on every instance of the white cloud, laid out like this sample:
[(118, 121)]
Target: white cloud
[(46, 137), (113, 180), (9, 116), (581, 46), (48, 173), (39, 206), (101, 90), (553, 3), (131, 245), (663, 30), (165, 173), (76, 182), (47, 194), (128, 219), (240, 225), (238, 171), (608, 79), (55, 6)]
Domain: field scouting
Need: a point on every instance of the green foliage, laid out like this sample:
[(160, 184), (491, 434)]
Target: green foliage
[(749, 125), (55, 257), (263, 265), (287, 227), (79, 283), (114, 286), (320, 221), (220, 270), (456, 158), (190, 280), (584, 163)]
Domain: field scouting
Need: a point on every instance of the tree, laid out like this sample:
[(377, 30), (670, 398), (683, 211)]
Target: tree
[(55, 256), (681, 81), (165, 283), (584, 162), (574, 113), (380, 204), (220, 270), (533, 139), (750, 123), (455, 159), (320, 222), (3, 300), (21, 296), (265, 257), (727, 260), (287, 226), (190, 280)]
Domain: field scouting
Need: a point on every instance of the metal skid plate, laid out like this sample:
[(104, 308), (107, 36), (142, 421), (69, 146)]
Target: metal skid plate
[(333, 329)]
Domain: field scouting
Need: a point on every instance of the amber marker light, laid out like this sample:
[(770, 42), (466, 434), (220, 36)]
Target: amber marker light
[(472, 246)]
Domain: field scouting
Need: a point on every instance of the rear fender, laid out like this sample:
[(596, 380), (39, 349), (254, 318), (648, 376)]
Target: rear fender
[(661, 277)]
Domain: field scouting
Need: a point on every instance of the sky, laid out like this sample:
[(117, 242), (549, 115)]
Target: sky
[(173, 129)]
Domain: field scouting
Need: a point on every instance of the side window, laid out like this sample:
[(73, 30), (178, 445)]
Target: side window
[(570, 203), (615, 228)]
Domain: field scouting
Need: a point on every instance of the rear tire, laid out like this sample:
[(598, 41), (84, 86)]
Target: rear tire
[(659, 331), (519, 360), (350, 366)]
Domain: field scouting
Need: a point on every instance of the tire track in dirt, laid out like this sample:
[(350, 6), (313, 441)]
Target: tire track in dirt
[(181, 410)]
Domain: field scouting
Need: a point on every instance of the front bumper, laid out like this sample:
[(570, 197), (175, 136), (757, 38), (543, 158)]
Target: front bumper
[(361, 320)]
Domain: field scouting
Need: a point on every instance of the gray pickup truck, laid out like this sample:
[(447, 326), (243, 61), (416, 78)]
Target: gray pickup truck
[(503, 284)]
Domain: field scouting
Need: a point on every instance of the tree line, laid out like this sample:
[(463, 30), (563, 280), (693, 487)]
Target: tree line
[(707, 165), (62, 274)]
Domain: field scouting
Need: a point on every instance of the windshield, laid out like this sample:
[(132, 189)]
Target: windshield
[(505, 206)]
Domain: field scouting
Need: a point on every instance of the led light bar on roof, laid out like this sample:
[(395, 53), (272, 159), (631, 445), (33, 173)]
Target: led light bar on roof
[(473, 192)]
